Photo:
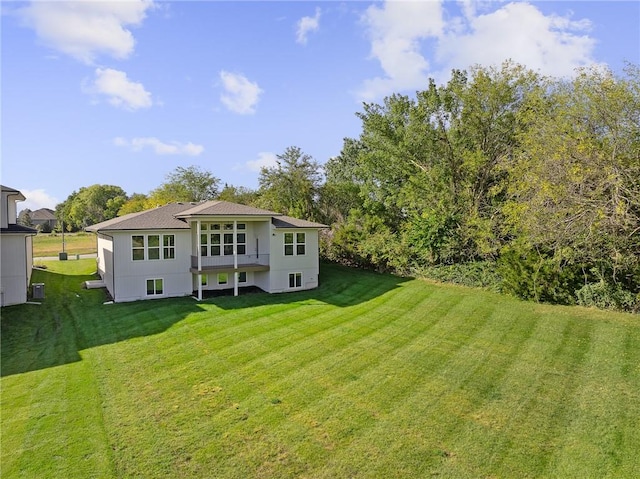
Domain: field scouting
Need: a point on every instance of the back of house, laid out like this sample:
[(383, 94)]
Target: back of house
[(182, 249)]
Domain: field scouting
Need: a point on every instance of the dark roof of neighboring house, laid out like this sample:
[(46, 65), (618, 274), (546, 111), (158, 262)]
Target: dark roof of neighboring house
[(289, 222), (225, 208), (42, 214), (161, 218), (18, 229)]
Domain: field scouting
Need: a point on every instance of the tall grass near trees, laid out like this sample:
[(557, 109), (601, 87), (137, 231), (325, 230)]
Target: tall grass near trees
[(367, 376)]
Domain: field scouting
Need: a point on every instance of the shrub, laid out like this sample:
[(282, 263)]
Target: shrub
[(608, 296), (534, 275), (479, 274)]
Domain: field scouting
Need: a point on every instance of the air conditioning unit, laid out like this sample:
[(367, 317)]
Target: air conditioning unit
[(38, 290)]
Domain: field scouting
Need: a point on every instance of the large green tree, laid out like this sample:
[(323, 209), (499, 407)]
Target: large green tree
[(90, 205), (291, 186), (575, 182), (186, 184), (431, 169)]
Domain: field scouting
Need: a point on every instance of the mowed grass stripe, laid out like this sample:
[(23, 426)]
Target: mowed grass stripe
[(367, 376)]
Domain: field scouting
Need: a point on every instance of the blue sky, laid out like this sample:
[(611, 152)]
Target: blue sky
[(124, 92)]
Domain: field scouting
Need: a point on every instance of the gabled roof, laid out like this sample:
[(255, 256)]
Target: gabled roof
[(161, 218), (289, 222), (225, 208), (43, 214), (173, 217)]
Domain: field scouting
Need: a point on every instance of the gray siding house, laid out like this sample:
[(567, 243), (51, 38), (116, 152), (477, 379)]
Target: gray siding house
[(16, 250), (182, 248)]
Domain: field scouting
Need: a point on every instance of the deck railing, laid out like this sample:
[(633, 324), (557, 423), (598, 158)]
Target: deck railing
[(227, 261)]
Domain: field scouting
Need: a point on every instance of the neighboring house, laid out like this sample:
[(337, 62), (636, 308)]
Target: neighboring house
[(16, 251), (45, 217), (182, 248)]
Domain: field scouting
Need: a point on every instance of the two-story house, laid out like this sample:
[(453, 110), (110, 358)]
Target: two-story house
[(16, 250), (182, 248)]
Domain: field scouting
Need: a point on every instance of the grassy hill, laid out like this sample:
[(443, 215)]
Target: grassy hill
[(50, 244), (367, 376)]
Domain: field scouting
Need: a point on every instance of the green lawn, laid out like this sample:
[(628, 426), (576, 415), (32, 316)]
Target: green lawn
[(50, 244), (369, 376)]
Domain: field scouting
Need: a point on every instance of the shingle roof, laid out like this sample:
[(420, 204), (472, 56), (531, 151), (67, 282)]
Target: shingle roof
[(43, 214), (225, 208), (18, 229), (163, 217), (172, 216), (289, 222)]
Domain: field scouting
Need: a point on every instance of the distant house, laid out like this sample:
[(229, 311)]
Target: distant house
[(186, 248), (44, 218), (16, 255)]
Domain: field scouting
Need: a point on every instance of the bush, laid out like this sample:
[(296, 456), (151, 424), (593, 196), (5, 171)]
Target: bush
[(608, 296), (533, 275), (479, 274)]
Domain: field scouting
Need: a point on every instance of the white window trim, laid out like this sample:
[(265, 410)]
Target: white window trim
[(295, 243), (294, 280), (154, 295), (145, 248)]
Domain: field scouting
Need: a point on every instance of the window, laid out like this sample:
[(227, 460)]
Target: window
[(294, 244), (153, 248), (223, 278), (169, 247), (241, 243), (300, 243), (204, 248), (295, 280), (137, 247), (215, 244), (221, 244), (149, 247), (204, 280), (228, 243), (242, 277), (154, 287)]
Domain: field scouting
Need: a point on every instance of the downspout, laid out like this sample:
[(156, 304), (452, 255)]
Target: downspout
[(199, 253), (235, 257)]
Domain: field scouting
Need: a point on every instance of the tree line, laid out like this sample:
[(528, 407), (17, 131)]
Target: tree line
[(501, 176)]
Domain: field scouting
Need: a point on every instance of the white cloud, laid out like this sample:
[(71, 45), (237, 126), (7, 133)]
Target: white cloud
[(160, 147), (36, 199), (121, 91), (85, 29), (552, 44), (307, 25), (396, 30), (241, 95), (264, 160), (416, 40)]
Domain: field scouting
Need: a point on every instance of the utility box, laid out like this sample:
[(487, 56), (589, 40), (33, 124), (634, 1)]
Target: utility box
[(62, 256), (38, 290)]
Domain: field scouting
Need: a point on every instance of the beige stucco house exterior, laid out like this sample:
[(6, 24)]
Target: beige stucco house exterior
[(16, 250), (182, 248)]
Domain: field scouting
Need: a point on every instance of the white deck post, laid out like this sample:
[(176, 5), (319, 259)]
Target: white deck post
[(198, 246), (235, 257)]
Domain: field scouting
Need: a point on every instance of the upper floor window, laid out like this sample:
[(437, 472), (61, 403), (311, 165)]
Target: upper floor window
[(153, 247), (294, 244), (216, 243), (137, 247)]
